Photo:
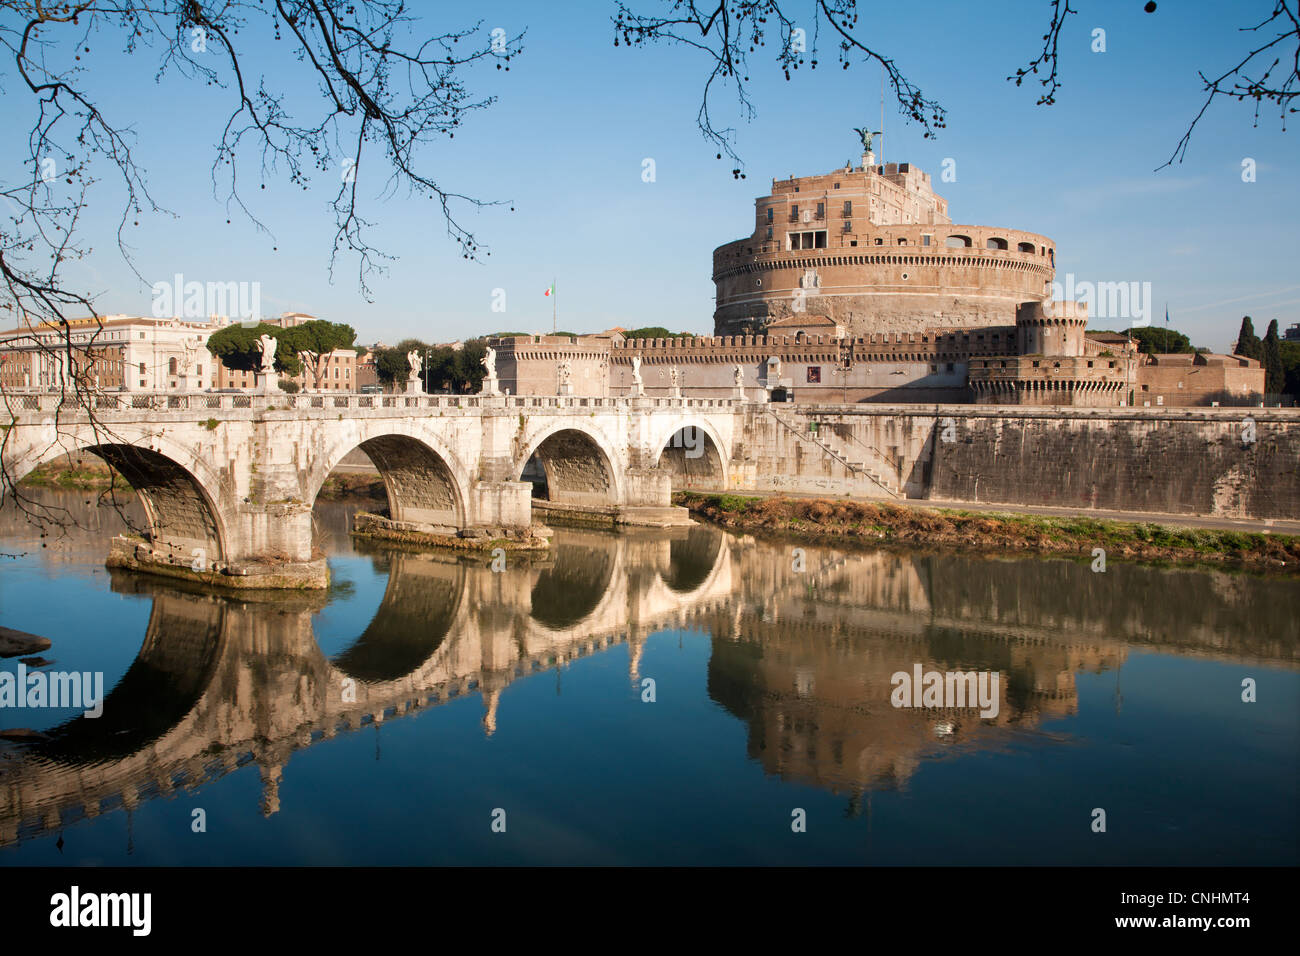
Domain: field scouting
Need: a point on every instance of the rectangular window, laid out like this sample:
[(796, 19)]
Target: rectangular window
[(142, 370), (821, 210), (769, 232), (769, 213), (848, 208), (925, 240), (814, 374)]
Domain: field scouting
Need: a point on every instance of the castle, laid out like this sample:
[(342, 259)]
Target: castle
[(856, 286)]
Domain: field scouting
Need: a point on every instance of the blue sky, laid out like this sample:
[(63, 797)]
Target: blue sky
[(576, 117)]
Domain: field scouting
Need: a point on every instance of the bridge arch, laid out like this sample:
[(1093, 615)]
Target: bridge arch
[(425, 482), (421, 605), (694, 560), (574, 586), (576, 463), (179, 492), (693, 452)]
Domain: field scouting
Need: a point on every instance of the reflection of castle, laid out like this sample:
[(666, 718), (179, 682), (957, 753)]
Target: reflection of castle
[(856, 286), (804, 659)]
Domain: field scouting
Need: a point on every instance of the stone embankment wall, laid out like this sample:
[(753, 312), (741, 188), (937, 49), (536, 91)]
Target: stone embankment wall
[(1233, 462)]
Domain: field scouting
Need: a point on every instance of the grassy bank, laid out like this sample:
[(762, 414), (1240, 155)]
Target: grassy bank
[(353, 486), (83, 474), (89, 473), (994, 531)]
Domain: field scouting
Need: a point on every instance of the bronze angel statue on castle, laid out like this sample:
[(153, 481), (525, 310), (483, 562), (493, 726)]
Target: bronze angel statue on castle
[(866, 136)]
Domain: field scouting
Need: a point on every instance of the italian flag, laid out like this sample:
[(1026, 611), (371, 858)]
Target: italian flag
[(550, 291)]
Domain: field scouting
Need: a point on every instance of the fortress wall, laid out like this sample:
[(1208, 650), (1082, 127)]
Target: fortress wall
[(1124, 459)]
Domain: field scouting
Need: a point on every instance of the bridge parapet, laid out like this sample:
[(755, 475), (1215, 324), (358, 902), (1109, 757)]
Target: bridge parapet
[(21, 403)]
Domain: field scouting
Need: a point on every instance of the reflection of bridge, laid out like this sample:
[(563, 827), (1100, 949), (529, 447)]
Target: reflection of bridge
[(218, 683), (804, 659), (228, 481)]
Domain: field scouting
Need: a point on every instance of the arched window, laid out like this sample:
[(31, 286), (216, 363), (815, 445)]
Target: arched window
[(171, 366), (995, 243), (957, 242), (1025, 247)]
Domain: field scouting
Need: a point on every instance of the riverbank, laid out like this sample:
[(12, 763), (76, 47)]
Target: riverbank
[(880, 522), (87, 472), (84, 473)]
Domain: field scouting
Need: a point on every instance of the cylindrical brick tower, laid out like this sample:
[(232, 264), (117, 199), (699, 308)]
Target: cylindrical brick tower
[(872, 249)]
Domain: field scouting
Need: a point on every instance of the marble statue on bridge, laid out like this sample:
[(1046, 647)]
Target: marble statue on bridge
[(270, 380), (491, 386), (416, 365), (638, 384)]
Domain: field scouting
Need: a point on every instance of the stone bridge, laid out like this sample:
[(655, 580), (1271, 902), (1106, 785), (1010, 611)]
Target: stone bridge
[(228, 481)]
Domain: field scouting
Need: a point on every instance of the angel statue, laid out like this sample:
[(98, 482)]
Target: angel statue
[(740, 376), (866, 136), (268, 344), (415, 363), (636, 370), (490, 362)]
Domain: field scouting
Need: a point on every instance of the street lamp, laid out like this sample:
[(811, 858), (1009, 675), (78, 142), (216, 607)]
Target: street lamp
[(425, 369)]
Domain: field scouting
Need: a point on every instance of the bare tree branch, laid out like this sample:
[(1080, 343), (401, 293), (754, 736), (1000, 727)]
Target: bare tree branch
[(728, 31), (1267, 74)]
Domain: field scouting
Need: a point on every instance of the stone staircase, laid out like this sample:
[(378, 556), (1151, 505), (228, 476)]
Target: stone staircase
[(861, 460)]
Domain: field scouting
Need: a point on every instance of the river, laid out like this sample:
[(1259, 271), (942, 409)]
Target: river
[(693, 697)]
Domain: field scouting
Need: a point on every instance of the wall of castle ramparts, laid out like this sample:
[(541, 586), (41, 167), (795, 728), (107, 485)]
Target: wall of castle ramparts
[(1125, 459)]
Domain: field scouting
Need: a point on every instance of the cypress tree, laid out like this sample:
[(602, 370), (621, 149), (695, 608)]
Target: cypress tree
[(1274, 371), (1248, 343)]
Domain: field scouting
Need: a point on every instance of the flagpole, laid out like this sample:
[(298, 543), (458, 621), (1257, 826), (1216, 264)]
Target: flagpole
[(882, 113), (554, 306)]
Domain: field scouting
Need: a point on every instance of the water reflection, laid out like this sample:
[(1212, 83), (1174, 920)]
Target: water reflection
[(802, 658)]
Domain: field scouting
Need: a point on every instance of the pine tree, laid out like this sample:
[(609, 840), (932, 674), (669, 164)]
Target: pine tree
[(1274, 370), (1248, 343)]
